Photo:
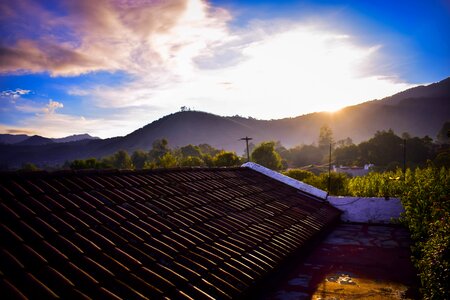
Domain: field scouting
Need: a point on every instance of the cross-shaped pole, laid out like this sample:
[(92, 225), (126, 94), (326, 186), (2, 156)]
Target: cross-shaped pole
[(246, 139)]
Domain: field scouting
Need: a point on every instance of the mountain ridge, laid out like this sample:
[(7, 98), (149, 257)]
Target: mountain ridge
[(24, 139), (419, 111)]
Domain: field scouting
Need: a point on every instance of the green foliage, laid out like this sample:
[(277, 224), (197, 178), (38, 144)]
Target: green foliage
[(427, 215), (208, 149), (208, 160), (89, 163), (159, 148), (305, 155), (283, 151), (149, 165), (121, 160), (191, 161), (383, 148), (338, 183), (168, 160), (443, 159), (338, 180), (443, 136), (298, 174), (344, 143), (347, 155), (374, 184), (265, 155), (387, 151), (190, 150), (325, 138), (139, 158), (29, 167), (425, 196), (226, 159), (434, 265)]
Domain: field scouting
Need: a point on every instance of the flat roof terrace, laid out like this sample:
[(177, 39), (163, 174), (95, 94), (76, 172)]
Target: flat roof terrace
[(354, 261)]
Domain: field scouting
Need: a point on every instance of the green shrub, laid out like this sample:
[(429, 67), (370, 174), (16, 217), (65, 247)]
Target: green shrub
[(298, 174), (425, 196), (427, 215)]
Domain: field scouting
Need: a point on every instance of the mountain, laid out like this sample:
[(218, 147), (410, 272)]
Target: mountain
[(39, 140), (75, 138), (419, 111), (12, 138), (35, 140)]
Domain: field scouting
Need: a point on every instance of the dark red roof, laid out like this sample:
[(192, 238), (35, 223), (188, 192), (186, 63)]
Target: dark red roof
[(181, 233)]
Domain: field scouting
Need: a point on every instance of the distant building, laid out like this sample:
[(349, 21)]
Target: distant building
[(353, 171)]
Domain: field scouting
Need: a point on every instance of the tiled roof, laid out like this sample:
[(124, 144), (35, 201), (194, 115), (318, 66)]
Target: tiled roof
[(182, 233)]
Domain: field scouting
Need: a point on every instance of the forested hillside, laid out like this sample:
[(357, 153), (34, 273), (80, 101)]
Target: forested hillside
[(419, 111)]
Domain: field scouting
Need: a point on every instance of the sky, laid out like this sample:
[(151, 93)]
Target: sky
[(109, 67)]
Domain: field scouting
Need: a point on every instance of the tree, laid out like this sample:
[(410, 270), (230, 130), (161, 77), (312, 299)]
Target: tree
[(385, 147), (344, 143), (305, 155), (265, 155), (89, 163), (208, 149), (325, 138), (226, 159), (299, 174), (443, 136), (208, 160), (190, 150), (417, 150), (139, 158), (29, 167), (159, 148), (191, 161), (121, 160), (443, 159), (338, 183), (168, 160), (283, 151), (347, 155)]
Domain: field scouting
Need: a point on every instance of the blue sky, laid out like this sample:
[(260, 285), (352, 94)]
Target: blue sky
[(109, 67)]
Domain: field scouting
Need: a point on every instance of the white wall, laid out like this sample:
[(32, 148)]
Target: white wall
[(367, 209), (354, 209), (287, 180)]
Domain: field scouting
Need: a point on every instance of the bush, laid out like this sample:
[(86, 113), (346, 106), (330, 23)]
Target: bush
[(226, 159), (298, 174), (427, 215), (338, 180), (425, 196), (191, 161), (265, 155)]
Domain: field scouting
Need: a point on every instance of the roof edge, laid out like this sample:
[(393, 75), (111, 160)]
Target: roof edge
[(303, 187), (113, 171)]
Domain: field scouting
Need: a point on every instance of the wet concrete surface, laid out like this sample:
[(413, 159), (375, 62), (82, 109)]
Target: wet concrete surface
[(354, 262)]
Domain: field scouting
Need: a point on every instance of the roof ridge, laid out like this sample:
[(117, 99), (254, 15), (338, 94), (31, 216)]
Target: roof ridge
[(20, 173)]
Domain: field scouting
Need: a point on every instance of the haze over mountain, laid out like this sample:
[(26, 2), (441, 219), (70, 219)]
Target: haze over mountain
[(419, 111), (23, 139)]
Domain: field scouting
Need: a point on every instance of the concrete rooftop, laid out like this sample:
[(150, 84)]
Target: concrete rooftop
[(354, 261)]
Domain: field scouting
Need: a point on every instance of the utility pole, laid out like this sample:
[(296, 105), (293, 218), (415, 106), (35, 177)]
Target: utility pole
[(404, 159), (246, 139), (329, 172)]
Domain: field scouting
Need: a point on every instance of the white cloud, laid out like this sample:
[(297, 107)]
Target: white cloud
[(13, 94), (52, 106), (293, 70), (183, 53), (39, 108), (138, 37), (57, 125)]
